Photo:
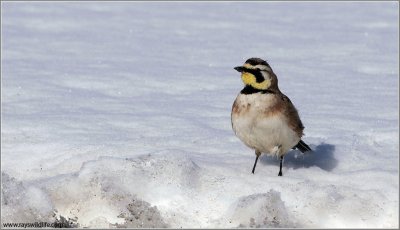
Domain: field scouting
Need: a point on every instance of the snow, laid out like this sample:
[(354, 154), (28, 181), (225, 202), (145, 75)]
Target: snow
[(117, 114)]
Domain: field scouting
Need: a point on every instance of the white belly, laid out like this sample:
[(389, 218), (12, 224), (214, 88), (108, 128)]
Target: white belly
[(269, 135)]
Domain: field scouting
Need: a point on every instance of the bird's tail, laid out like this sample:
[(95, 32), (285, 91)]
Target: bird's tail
[(303, 147)]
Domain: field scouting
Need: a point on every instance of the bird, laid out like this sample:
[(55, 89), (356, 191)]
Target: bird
[(264, 118)]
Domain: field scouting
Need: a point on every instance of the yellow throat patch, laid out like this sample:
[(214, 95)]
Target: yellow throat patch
[(250, 79)]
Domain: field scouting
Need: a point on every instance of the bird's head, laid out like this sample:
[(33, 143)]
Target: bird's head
[(258, 74)]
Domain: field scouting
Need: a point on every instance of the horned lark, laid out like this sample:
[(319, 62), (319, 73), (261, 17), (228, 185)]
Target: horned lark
[(262, 116)]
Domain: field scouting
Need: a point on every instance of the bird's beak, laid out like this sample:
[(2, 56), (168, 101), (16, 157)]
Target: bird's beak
[(239, 68)]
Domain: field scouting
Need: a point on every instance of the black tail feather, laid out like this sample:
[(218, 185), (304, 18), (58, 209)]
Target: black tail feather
[(303, 147)]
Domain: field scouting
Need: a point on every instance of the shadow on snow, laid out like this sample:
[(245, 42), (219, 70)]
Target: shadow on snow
[(322, 156)]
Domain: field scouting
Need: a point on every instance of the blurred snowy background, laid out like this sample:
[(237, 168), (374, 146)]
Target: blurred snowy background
[(118, 114)]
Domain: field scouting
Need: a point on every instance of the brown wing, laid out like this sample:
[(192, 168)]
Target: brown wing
[(293, 116)]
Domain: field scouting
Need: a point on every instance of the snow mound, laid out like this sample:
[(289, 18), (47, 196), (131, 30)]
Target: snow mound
[(340, 208), (263, 210), (107, 192), (142, 215), (167, 167), (21, 203)]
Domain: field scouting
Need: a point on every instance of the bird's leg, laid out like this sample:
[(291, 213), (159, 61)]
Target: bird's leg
[(258, 153), (280, 167)]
